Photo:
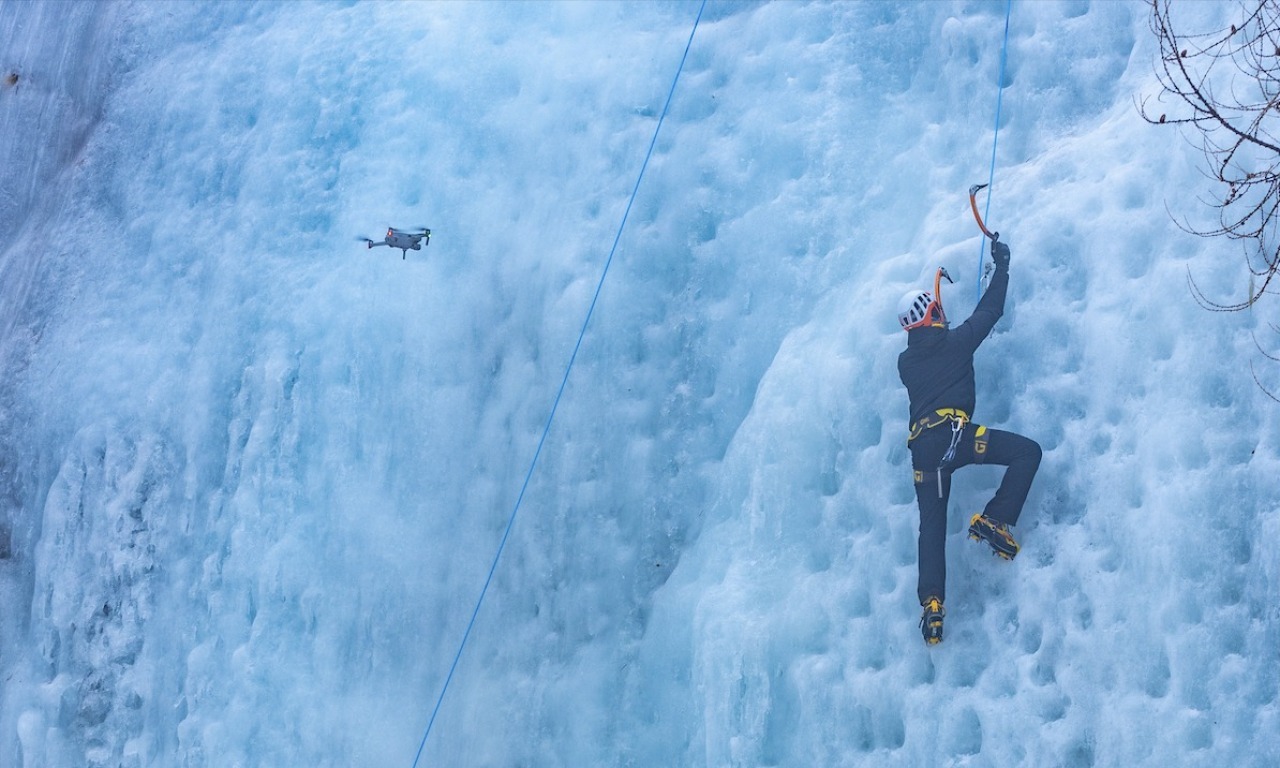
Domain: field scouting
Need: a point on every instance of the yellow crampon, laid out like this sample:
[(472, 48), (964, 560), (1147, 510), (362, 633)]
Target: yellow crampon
[(931, 620), (983, 528)]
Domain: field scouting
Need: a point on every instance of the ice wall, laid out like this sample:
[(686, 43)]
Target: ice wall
[(256, 473)]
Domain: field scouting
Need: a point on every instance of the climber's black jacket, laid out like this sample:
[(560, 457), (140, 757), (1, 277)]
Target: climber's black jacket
[(937, 365)]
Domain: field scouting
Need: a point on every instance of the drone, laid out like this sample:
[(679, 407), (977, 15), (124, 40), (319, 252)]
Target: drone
[(397, 238)]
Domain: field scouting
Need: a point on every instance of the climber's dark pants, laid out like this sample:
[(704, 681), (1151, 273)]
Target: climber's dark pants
[(977, 445)]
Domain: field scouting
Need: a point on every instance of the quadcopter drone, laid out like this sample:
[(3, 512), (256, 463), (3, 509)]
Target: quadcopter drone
[(405, 241)]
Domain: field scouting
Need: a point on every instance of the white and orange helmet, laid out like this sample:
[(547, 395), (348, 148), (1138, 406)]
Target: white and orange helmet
[(920, 309)]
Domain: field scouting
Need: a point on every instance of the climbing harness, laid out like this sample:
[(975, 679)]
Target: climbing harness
[(980, 440), (958, 420), (936, 419), (560, 393), (973, 191)]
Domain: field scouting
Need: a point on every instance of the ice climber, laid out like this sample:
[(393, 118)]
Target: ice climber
[(937, 369)]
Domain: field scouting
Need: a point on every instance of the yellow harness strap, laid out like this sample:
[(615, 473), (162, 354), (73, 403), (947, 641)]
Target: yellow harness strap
[(939, 417), (958, 420)]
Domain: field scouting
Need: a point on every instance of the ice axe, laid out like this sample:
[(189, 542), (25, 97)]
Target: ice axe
[(973, 203), (937, 290)]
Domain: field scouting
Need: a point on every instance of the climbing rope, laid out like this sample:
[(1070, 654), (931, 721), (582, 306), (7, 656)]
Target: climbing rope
[(1004, 55), (466, 635)]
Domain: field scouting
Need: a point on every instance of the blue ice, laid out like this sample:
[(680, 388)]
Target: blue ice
[(253, 475)]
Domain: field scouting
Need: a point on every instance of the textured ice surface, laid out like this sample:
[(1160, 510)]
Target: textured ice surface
[(255, 473)]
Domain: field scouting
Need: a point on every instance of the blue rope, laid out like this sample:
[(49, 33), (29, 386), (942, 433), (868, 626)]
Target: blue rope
[(560, 393), (991, 177)]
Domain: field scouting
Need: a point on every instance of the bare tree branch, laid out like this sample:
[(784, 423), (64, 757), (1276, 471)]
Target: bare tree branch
[(1225, 86), (1258, 381)]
